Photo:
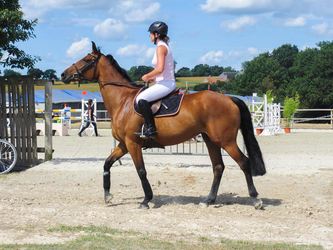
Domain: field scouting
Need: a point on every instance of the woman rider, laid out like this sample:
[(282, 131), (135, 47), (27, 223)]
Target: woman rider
[(163, 74)]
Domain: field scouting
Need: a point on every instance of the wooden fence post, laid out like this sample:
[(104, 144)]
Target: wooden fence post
[(48, 120)]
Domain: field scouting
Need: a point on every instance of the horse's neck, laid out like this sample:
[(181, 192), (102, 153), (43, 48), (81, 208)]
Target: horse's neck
[(115, 96)]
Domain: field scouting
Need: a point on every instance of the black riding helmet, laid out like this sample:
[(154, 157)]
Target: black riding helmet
[(160, 28)]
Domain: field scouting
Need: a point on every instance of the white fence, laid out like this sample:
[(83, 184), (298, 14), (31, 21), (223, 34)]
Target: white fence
[(266, 117)]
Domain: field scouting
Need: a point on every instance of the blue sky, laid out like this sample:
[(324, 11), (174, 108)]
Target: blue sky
[(213, 32)]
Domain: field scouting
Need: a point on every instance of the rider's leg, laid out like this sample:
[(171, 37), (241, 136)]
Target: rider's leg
[(150, 131)]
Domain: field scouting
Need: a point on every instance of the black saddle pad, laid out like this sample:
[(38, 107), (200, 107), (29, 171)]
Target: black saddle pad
[(170, 106)]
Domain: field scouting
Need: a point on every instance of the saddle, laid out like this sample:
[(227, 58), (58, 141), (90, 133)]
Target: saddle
[(166, 106)]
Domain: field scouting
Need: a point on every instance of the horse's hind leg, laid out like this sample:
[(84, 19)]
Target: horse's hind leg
[(117, 153), (244, 163), (218, 168)]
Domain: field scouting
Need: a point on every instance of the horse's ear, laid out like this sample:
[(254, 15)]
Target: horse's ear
[(94, 48)]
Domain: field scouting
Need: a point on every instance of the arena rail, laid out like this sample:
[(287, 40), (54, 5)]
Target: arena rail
[(320, 118)]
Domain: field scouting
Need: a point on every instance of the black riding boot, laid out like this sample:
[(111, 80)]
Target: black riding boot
[(150, 131)]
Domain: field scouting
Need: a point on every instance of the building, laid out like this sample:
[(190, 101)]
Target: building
[(208, 80), (225, 76)]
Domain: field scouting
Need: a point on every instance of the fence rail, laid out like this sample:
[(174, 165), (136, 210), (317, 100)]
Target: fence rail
[(328, 117)]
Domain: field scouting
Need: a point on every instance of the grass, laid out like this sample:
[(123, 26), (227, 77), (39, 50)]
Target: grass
[(101, 237)]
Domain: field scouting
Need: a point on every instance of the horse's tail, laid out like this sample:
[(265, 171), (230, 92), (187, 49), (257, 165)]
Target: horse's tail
[(256, 161)]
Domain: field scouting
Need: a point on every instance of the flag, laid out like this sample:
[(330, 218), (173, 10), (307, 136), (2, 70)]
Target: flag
[(84, 92)]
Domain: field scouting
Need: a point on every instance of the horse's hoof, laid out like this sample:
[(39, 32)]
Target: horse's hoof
[(108, 198), (257, 203), (203, 205), (144, 207)]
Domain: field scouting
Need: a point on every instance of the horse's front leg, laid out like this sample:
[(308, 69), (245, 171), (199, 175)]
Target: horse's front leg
[(117, 153), (136, 153)]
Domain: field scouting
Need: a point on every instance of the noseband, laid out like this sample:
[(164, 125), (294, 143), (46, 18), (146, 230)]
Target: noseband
[(78, 76)]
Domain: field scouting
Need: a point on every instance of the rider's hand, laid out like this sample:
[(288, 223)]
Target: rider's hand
[(145, 78)]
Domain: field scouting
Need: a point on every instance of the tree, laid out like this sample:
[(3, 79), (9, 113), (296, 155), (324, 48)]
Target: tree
[(201, 70), (36, 73), (136, 72), (10, 72), (313, 76), (216, 70), (50, 74), (184, 72), (14, 28), (285, 55)]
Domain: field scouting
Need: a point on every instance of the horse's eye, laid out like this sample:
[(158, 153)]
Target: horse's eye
[(87, 60)]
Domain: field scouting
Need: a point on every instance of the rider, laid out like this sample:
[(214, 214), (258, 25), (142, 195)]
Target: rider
[(163, 74)]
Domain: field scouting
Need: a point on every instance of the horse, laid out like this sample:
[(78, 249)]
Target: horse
[(216, 116)]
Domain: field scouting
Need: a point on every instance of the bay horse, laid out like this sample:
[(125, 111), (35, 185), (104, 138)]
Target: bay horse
[(216, 116)]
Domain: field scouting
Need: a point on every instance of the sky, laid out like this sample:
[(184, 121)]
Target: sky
[(213, 32)]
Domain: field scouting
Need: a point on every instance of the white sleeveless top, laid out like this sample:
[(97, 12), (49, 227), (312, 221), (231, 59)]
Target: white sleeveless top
[(168, 72)]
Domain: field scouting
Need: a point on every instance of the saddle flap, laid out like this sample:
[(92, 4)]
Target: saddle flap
[(167, 106)]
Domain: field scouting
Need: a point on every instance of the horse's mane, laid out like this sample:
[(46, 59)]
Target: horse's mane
[(122, 71)]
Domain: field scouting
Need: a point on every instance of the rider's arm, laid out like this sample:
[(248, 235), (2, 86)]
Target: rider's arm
[(161, 52)]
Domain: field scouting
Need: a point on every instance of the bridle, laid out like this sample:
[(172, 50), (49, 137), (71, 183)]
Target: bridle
[(78, 77)]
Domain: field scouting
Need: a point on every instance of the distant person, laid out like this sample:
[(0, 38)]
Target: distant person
[(163, 74), (91, 118)]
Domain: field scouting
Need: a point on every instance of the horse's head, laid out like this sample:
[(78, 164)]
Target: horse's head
[(85, 69)]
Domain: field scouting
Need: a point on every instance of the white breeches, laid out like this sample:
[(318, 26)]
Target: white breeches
[(157, 91)]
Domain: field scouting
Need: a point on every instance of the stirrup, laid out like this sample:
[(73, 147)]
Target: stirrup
[(142, 135)]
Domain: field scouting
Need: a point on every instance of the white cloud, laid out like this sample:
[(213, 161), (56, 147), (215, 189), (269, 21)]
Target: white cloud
[(279, 8), (143, 54), (295, 22), (132, 50), (85, 22), (39, 9), (111, 29), (212, 6), (239, 23), (234, 55), (78, 49), (212, 57), (136, 11), (140, 15), (253, 51), (322, 29)]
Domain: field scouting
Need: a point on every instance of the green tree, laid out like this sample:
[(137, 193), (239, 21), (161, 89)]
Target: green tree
[(36, 73), (201, 70), (216, 70), (10, 72), (285, 55), (14, 28), (313, 76), (184, 72), (261, 74), (136, 72), (50, 74)]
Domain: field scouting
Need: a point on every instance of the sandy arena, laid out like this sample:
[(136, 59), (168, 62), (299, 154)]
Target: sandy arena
[(297, 192)]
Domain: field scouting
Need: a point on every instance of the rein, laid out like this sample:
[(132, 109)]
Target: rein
[(78, 76)]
